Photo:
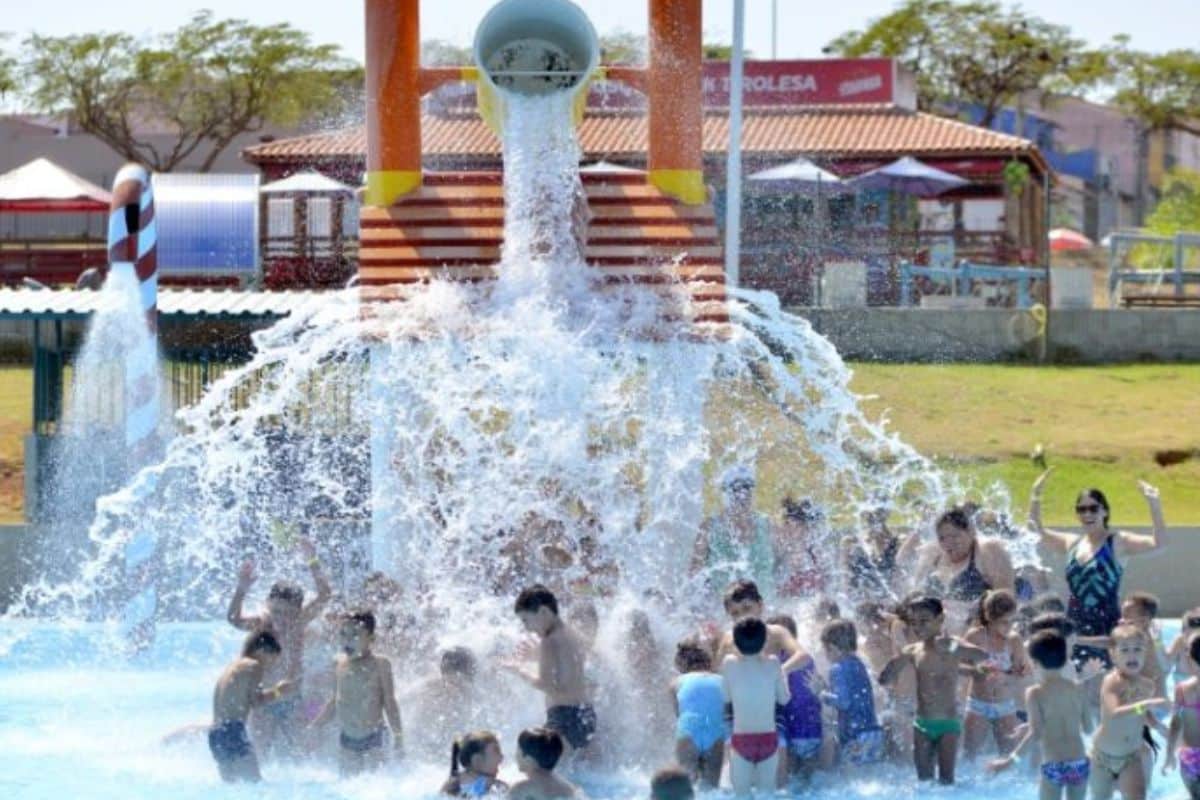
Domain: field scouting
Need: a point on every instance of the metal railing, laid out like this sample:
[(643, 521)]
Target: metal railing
[(1172, 249), (965, 278)]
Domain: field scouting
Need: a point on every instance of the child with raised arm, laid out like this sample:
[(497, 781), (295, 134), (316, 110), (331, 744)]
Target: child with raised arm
[(755, 684), (700, 728), (936, 660), (1126, 700), (799, 722), (287, 616), (859, 737), (538, 753), (1058, 719), (560, 676), (475, 760), (239, 689), (365, 694), (1185, 723), (991, 704)]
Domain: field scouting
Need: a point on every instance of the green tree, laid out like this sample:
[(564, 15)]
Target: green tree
[(202, 85), (1160, 91), (440, 53), (977, 53), (1179, 209), (8, 66), (623, 47)]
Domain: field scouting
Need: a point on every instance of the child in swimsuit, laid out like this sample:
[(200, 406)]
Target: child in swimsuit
[(671, 783), (538, 753), (1177, 654), (860, 739), (991, 707), (755, 684), (700, 728), (364, 694), (474, 761), (239, 689), (936, 660), (799, 722), (562, 665), (1185, 723), (1126, 702), (1058, 719)]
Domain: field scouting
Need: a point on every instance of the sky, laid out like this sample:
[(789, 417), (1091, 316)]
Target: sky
[(804, 26)]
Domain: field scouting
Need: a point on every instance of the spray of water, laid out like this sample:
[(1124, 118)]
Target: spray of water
[(475, 438)]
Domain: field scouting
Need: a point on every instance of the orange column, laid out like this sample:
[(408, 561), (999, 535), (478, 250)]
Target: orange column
[(673, 83), (393, 100)]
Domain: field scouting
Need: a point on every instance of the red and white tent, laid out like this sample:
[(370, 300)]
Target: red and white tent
[(41, 186)]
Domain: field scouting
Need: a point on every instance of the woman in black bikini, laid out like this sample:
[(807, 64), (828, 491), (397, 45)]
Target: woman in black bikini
[(959, 568), (1096, 559)]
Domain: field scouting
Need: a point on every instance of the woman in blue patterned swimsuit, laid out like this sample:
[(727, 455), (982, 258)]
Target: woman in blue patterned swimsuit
[(1096, 559)]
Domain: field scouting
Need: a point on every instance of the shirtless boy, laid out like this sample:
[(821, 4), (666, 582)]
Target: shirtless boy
[(287, 616), (365, 694), (743, 601), (562, 659), (1058, 719), (238, 690), (936, 660), (538, 753), (754, 684), (1127, 698)]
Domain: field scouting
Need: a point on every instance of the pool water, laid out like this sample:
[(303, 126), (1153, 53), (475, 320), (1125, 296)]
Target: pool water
[(74, 723)]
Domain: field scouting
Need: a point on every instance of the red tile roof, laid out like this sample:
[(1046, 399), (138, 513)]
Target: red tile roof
[(845, 131)]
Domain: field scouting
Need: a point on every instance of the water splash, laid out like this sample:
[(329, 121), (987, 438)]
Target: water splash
[(89, 456), (474, 438)]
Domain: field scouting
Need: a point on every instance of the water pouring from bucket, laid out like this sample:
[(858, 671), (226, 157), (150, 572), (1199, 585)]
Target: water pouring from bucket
[(534, 48)]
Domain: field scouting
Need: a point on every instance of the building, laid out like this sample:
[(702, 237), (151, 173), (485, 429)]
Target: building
[(848, 115), (1099, 145)]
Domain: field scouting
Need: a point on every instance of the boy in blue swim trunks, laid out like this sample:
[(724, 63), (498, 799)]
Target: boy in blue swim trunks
[(859, 736), (1058, 720), (700, 728), (239, 689)]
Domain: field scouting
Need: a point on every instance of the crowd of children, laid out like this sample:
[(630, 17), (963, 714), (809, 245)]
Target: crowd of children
[(750, 700)]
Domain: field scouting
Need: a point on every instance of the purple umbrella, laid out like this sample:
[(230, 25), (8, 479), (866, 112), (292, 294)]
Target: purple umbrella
[(909, 176)]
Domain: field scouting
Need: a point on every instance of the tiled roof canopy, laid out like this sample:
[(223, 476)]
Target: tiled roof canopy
[(845, 131)]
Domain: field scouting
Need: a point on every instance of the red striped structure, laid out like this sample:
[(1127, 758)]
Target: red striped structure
[(132, 253), (452, 227)]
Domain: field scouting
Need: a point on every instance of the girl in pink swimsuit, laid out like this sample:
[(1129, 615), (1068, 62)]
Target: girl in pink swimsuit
[(1185, 723)]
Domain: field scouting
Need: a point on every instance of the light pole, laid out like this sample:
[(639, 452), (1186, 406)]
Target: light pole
[(774, 29), (733, 162)]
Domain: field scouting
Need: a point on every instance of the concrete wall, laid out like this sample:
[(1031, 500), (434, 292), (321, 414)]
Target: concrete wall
[(1075, 335)]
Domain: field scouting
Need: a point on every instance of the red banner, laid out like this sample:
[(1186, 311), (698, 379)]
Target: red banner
[(829, 81), (798, 83)]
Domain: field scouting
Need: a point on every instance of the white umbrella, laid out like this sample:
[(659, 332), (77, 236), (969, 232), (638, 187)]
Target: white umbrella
[(609, 167), (800, 170)]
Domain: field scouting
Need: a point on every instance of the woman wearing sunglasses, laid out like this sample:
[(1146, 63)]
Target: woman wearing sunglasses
[(1096, 559)]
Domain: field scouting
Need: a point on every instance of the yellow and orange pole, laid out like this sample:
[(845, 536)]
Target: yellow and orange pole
[(393, 100), (673, 82)]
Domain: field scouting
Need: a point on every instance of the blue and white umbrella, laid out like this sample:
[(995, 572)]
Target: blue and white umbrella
[(909, 176)]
